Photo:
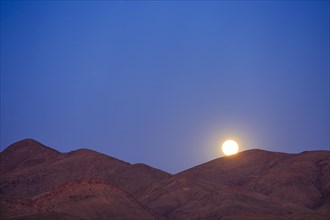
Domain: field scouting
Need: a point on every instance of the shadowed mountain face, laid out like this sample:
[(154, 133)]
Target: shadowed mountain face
[(38, 182)]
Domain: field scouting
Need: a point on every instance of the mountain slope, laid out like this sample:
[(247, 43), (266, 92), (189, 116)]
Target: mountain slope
[(252, 184), (84, 199)]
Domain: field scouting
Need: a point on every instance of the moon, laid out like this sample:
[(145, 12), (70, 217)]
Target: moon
[(229, 147)]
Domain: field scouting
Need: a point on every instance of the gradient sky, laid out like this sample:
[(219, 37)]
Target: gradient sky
[(163, 83)]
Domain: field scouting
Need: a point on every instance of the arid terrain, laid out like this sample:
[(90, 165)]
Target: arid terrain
[(38, 182)]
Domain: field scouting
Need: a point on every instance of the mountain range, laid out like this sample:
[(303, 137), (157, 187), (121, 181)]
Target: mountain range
[(38, 182)]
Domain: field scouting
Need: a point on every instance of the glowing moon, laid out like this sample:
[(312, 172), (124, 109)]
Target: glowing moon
[(229, 147)]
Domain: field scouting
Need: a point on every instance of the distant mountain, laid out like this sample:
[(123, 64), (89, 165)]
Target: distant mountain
[(38, 182)]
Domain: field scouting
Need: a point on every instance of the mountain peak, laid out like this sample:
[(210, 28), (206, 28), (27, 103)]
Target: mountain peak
[(26, 152), (27, 144)]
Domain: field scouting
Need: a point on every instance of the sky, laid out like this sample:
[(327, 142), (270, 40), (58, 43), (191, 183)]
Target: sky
[(164, 83)]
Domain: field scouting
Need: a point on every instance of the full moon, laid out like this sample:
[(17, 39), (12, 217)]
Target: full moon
[(229, 147)]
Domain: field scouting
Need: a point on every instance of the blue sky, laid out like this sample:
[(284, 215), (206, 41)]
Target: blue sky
[(164, 83)]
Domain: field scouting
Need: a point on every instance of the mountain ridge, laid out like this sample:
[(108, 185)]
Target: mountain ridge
[(254, 184)]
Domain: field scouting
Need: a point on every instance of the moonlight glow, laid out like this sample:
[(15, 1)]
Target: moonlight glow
[(229, 147)]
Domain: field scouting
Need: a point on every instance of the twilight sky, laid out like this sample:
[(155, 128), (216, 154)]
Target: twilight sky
[(163, 83)]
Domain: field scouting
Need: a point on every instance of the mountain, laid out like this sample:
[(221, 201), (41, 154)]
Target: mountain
[(29, 163), (30, 169), (253, 184), (38, 182)]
